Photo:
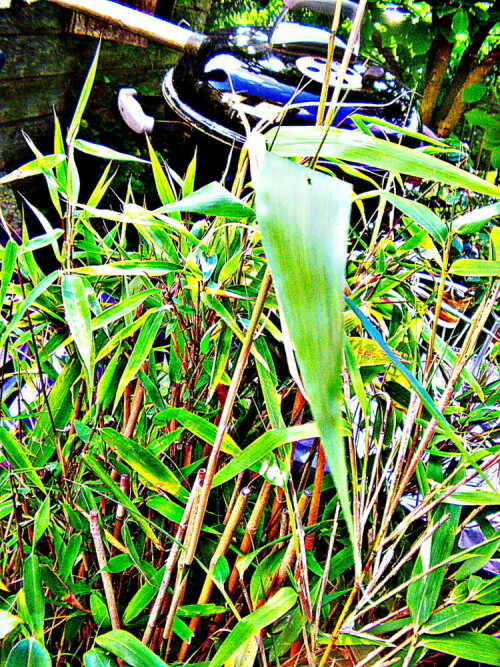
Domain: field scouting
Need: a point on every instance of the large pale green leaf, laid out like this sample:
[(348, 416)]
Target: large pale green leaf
[(144, 463), (367, 150), (468, 645), (304, 218), (42, 521), (457, 615), (249, 626), (130, 649), (77, 310), (28, 653), (33, 168)]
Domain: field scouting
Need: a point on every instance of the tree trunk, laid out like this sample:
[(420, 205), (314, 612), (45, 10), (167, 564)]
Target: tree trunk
[(477, 75), (437, 66)]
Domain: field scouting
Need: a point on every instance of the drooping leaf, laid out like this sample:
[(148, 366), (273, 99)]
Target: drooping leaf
[(363, 149), (15, 454), (42, 521)]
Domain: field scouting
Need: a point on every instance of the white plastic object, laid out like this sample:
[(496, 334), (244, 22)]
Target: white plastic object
[(132, 112)]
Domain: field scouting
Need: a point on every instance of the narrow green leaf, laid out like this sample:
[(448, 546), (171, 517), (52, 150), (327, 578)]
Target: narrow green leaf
[(84, 97), (483, 268), (128, 648), (7, 623), (142, 598), (212, 199), (16, 456), (473, 497), (99, 611), (473, 221), (249, 626), (472, 646), (70, 554), (363, 149), (8, 265), (199, 426), (28, 653), (144, 463), (422, 215), (129, 268), (141, 350), (42, 521), (304, 217), (104, 152), (118, 495), (482, 555), (31, 299), (33, 168), (163, 187), (262, 447), (457, 615), (35, 602), (77, 310)]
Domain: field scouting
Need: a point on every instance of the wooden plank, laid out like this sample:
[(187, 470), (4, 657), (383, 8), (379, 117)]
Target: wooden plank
[(13, 147), (47, 55), (32, 97), (86, 25), (41, 18)]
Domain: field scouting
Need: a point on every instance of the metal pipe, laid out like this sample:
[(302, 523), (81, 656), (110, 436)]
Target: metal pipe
[(140, 23)]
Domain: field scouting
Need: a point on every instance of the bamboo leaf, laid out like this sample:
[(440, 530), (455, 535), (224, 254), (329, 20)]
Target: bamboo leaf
[(42, 521), (104, 152), (360, 148), (84, 98), (143, 345), (467, 645), (482, 268), (457, 615), (303, 217), (16, 456), (118, 495), (8, 265), (77, 310), (473, 221), (212, 199), (199, 426), (252, 624), (96, 658), (128, 648), (129, 268), (144, 463), (422, 215), (262, 447), (35, 602), (7, 623), (28, 653)]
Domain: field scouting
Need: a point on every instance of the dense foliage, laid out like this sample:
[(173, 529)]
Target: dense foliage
[(234, 432)]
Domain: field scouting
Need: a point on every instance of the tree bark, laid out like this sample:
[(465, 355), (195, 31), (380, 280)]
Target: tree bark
[(437, 66), (477, 75)]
